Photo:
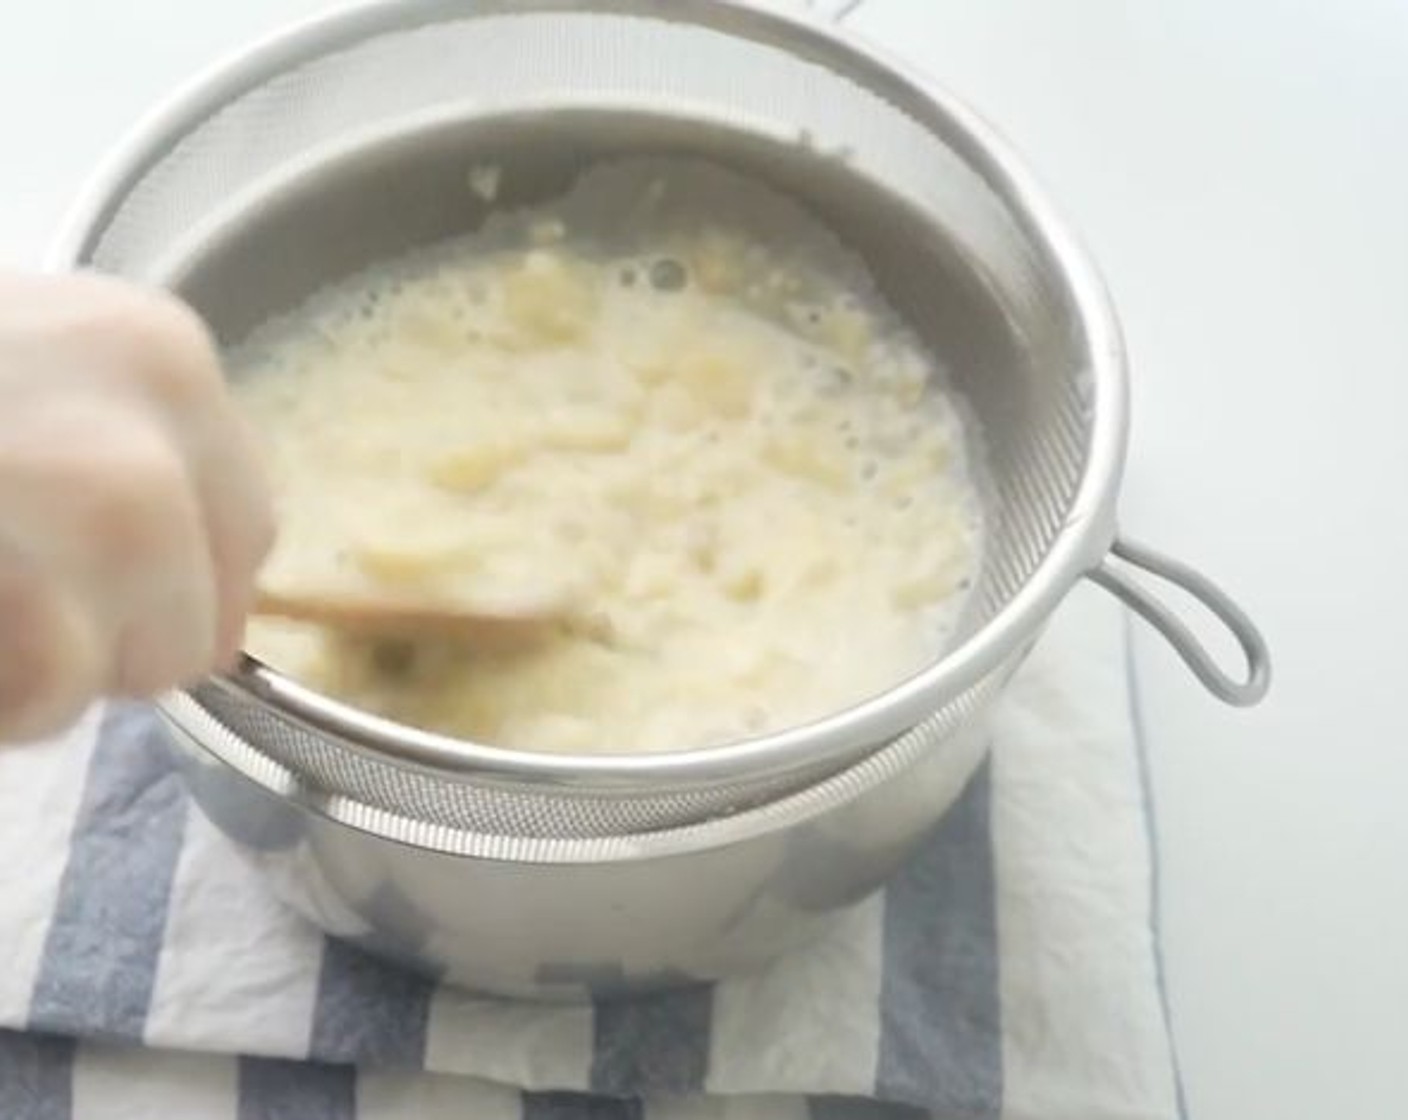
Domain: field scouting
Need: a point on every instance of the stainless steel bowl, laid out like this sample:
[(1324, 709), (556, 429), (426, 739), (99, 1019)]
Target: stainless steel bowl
[(350, 139)]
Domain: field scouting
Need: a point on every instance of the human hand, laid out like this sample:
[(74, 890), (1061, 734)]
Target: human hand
[(134, 512)]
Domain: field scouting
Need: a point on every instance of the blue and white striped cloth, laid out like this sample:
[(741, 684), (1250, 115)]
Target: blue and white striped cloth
[(1009, 973)]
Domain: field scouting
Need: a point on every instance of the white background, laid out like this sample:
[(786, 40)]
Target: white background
[(1241, 172)]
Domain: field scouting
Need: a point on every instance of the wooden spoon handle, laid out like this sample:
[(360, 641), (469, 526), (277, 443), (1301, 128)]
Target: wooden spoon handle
[(385, 617)]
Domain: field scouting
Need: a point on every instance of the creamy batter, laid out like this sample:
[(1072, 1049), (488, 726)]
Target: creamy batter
[(754, 486)]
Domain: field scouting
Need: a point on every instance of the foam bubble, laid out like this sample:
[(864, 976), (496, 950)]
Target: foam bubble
[(669, 275)]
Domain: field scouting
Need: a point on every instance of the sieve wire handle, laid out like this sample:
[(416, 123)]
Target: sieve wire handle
[(1116, 574)]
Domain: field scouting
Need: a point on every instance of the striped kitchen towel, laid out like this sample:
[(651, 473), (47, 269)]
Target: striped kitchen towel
[(1010, 972)]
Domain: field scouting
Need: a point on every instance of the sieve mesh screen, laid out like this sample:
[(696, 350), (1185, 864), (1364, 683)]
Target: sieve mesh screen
[(745, 71)]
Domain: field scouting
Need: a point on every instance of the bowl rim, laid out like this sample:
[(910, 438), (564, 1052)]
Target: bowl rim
[(1079, 546)]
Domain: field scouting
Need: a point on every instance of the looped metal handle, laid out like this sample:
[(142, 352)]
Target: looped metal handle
[(1113, 576)]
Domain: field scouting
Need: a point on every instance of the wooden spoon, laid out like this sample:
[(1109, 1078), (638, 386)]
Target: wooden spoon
[(378, 615)]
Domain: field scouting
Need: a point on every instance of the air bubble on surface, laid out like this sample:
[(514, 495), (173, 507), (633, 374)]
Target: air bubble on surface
[(669, 275)]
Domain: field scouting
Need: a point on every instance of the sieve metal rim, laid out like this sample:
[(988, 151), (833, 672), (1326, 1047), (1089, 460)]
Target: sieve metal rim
[(185, 717), (1077, 550)]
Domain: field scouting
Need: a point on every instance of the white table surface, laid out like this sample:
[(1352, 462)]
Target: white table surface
[(1241, 172)]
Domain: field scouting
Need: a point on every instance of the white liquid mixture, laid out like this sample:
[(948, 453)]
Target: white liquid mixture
[(751, 481)]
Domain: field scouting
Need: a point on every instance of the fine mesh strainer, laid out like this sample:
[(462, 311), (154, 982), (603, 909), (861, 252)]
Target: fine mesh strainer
[(350, 139)]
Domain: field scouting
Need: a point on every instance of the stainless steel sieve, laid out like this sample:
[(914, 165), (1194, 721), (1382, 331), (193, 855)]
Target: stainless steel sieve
[(352, 138)]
